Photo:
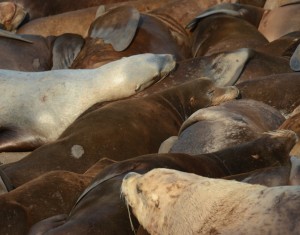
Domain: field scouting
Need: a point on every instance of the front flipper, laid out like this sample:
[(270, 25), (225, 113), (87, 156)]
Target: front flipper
[(225, 68), (65, 50), (16, 140), (295, 60), (5, 184), (117, 27), (7, 34)]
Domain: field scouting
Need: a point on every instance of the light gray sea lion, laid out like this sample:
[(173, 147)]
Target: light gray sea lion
[(39, 106)]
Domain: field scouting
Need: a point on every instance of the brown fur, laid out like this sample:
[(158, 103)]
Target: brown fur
[(99, 210), (279, 91), (116, 131), (50, 194)]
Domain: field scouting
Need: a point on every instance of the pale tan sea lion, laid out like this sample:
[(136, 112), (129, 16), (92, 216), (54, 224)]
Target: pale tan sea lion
[(172, 202)]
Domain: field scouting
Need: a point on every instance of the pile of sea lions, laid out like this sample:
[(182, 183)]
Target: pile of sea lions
[(150, 117)]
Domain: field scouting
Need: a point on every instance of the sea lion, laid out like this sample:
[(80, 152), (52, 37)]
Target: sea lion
[(109, 40), (262, 64), (288, 174), (40, 55), (221, 32), (272, 26), (223, 68), (79, 21), (155, 118), (25, 126), (37, 9), (283, 46), (247, 12), (266, 89), (228, 124), (167, 201), (99, 210), (47, 195)]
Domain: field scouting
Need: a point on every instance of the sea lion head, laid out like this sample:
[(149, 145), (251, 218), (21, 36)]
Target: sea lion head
[(148, 195)]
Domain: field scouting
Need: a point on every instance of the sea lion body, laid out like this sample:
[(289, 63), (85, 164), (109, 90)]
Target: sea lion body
[(100, 205), (218, 33), (225, 125), (272, 26), (155, 118), (172, 202), (266, 89), (109, 40), (34, 100)]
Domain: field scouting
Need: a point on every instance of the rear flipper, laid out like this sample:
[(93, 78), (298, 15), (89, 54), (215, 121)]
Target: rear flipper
[(17, 140)]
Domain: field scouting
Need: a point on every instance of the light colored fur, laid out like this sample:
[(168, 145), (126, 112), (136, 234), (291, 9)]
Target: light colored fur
[(173, 202), (45, 103)]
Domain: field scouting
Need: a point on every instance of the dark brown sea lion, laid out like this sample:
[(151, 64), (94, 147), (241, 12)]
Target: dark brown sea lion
[(138, 33), (41, 54), (262, 64), (272, 176), (249, 13), (100, 210), (272, 26), (50, 194), (155, 118), (228, 124), (283, 46), (224, 68), (37, 9), (79, 21), (221, 32), (279, 91)]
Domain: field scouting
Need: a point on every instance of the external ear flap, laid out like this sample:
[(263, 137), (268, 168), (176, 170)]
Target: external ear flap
[(225, 8), (7, 34), (65, 50), (117, 27), (295, 60)]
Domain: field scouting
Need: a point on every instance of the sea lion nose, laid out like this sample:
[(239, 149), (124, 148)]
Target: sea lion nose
[(130, 174)]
